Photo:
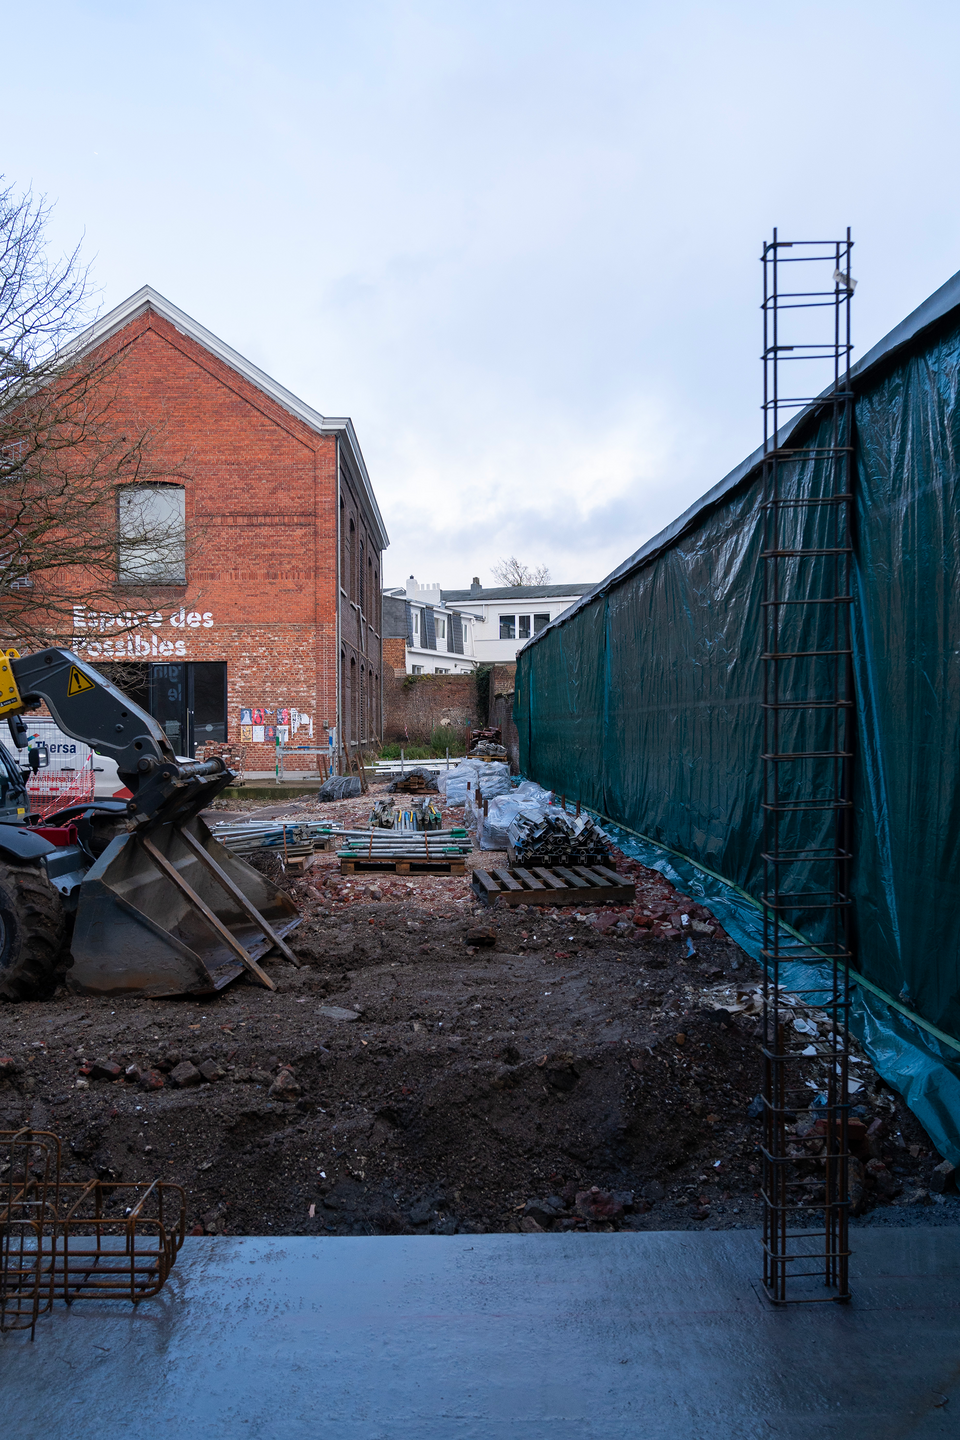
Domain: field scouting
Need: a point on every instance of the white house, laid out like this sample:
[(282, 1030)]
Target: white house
[(446, 631)]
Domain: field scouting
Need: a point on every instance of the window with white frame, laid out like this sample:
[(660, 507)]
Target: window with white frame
[(508, 627), (523, 627), (417, 669), (540, 622), (440, 625)]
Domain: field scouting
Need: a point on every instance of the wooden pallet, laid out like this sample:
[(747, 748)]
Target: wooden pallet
[(404, 865), (580, 885)]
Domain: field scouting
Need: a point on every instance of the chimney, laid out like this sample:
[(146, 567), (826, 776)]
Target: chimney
[(476, 588)]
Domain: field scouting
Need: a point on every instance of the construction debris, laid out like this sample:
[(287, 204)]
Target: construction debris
[(488, 749)]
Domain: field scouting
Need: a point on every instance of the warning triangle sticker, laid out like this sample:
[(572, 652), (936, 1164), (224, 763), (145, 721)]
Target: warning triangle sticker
[(78, 682)]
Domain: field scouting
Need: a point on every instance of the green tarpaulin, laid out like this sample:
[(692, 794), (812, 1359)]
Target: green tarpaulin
[(643, 702)]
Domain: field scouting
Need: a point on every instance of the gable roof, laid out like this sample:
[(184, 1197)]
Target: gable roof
[(146, 298)]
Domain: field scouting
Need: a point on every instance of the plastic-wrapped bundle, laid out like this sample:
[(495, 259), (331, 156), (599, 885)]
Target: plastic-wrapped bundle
[(453, 783), (492, 781), (339, 787), (528, 800), (492, 828)]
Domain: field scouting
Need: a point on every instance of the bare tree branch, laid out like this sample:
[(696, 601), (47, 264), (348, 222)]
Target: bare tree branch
[(514, 572), (71, 528)]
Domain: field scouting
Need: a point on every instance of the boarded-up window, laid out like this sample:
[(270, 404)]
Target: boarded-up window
[(152, 535)]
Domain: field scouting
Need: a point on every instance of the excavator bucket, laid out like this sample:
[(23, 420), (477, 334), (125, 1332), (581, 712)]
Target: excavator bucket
[(169, 911)]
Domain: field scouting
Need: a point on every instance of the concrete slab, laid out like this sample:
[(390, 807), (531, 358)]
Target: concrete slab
[(657, 1336)]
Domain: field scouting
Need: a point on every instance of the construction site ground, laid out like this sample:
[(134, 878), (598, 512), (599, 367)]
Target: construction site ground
[(438, 1067)]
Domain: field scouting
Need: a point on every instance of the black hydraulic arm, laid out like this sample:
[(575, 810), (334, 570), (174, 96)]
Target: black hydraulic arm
[(87, 707)]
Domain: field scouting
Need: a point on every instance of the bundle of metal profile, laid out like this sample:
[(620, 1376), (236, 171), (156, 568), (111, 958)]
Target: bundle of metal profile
[(557, 839)]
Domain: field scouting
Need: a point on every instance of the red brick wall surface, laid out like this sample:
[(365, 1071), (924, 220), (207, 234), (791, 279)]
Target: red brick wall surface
[(395, 655), (262, 523), (415, 705)]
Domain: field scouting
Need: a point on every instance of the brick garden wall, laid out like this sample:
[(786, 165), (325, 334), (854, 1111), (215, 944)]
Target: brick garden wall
[(415, 705)]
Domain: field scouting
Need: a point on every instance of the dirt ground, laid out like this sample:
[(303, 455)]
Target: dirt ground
[(435, 1066)]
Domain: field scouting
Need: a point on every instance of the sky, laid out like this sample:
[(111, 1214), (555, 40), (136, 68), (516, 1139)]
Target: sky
[(517, 243)]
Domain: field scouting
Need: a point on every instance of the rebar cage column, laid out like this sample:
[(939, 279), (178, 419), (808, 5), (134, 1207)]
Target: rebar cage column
[(808, 732)]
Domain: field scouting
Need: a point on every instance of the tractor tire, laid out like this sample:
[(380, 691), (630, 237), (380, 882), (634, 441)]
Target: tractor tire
[(32, 934)]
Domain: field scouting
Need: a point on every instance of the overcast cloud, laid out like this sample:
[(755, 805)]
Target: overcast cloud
[(517, 243)]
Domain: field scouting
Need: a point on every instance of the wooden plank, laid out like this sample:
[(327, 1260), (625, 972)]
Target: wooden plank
[(484, 878), (610, 875), (590, 876), (569, 875), (529, 880), (507, 880), (548, 878), (428, 865)]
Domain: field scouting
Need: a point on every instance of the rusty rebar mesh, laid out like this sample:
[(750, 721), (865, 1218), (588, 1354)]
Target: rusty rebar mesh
[(69, 1241), (29, 1184)]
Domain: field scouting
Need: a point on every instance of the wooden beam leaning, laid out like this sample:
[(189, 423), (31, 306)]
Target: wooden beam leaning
[(250, 910), (173, 874)]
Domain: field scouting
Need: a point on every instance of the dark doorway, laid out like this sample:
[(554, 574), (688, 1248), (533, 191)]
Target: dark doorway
[(189, 699)]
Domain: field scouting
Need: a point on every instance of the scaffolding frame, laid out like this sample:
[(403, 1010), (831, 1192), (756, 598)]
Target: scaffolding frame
[(809, 721)]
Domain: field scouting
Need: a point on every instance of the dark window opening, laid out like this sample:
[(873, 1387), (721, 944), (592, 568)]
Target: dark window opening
[(523, 627), (540, 622), (508, 627)]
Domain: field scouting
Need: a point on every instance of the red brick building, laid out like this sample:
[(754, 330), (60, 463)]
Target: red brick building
[(266, 612)]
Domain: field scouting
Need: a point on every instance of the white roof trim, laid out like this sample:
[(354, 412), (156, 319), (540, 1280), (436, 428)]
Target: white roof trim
[(147, 298)]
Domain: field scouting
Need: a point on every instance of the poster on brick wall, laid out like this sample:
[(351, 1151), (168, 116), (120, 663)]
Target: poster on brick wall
[(283, 734), (246, 733), (270, 734), (258, 716), (246, 717), (257, 734)]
